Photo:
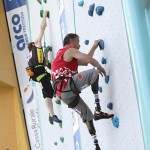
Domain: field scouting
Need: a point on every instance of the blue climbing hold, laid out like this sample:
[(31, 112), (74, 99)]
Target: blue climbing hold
[(91, 9), (90, 13), (86, 42), (100, 89), (103, 61), (101, 44), (106, 79), (110, 106), (115, 121), (99, 10), (81, 3)]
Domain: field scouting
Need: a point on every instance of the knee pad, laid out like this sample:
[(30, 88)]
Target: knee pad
[(90, 127)]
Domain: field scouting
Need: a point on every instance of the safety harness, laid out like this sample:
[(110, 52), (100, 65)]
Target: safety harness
[(36, 70), (73, 88)]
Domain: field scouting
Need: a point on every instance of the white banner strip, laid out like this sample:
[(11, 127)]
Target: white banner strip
[(17, 16)]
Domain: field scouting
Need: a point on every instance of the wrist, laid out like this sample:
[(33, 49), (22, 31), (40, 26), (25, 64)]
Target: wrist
[(93, 47), (99, 67)]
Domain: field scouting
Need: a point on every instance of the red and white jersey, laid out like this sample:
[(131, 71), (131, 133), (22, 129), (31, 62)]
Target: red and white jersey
[(61, 68)]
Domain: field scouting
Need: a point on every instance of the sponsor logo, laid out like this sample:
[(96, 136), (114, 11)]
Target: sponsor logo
[(29, 94), (34, 114), (17, 28)]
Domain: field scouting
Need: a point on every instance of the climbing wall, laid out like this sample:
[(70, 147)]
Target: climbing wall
[(107, 23), (91, 21)]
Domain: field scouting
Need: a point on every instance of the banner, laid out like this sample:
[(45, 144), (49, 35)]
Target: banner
[(18, 22), (63, 27)]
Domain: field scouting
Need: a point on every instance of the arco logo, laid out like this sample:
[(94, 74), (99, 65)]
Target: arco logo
[(17, 28)]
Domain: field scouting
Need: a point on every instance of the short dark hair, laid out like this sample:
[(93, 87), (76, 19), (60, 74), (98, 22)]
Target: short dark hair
[(30, 46), (68, 37)]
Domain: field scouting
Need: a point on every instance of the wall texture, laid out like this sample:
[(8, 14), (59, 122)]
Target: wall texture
[(120, 90)]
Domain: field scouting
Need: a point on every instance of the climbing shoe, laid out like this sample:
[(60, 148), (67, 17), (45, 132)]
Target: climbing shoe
[(101, 115), (50, 120), (54, 118)]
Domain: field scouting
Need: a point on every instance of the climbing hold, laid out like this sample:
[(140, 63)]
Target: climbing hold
[(110, 106), (99, 10), (103, 61), (62, 139), (42, 13), (106, 79), (45, 1), (90, 13), (86, 42), (60, 124), (91, 9), (81, 3), (100, 89), (58, 101), (55, 143), (39, 1), (101, 44), (115, 121)]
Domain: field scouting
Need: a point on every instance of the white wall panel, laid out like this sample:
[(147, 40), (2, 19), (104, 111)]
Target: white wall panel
[(120, 90)]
